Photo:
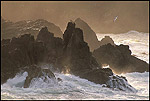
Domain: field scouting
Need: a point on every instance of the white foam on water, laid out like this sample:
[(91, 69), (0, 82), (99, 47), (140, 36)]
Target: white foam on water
[(73, 87), (138, 42), (139, 81)]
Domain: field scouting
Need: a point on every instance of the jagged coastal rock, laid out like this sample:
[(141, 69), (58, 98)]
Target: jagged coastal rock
[(78, 60), (52, 44), (26, 51), (19, 52), (70, 55), (76, 54), (119, 59), (45, 73), (89, 35)]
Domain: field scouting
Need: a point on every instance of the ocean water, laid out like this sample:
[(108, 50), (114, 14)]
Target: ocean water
[(73, 87), (138, 42)]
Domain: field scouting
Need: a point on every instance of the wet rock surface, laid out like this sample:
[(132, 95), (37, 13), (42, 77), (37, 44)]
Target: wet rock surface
[(70, 55), (52, 44), (119, 59), (19, 52), (78, 60), (120, 83), (76, 54), (35, 71)]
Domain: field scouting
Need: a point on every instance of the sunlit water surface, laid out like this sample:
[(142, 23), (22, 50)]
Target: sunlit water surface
[(73, 87)]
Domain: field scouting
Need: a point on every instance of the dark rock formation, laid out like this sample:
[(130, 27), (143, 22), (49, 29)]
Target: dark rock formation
[(76, 55), (19, 52), (119, 82), (36, 72), (25, 51), (10, 29), (106, 40), (119, 59), (52, 44), (72, 54), (89, 35), (78, 60)]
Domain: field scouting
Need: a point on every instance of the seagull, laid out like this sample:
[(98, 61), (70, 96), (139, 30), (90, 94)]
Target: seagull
[(115, 18)]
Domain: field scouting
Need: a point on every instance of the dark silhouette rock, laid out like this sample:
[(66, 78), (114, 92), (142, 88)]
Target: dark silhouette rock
[(119, 59), (37, 72), (99, 76), (19, 52), (89, 35), (70, 55), (119, 82), (52, 44), (25, 51), (106, 40), (76, 55), (78, 60), (5, 41)]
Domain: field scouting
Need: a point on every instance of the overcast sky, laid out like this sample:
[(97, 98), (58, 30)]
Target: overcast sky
[(100, 15)]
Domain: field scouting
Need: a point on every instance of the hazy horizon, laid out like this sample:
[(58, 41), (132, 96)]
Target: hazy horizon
[(100, 15), (62, 58)]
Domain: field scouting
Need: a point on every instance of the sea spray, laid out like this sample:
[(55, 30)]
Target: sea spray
[(73, 87)]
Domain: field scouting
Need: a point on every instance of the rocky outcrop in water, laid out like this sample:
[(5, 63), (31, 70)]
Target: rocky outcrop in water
[(76, 54), (39, 72), (52, 44), (19, 52), (26, 51), (14, 29), (119, 59), (78, 60), (70, 55)]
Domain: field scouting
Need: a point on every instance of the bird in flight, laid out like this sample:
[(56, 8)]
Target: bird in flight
[(115, 18)]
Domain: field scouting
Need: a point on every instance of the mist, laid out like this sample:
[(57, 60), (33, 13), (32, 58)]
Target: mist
[(100, 15)]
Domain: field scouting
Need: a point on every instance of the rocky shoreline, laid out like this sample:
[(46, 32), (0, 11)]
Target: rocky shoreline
[(68, 55)]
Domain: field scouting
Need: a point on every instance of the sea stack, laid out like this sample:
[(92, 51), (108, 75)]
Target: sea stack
[(89, 35), (78, 60)]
